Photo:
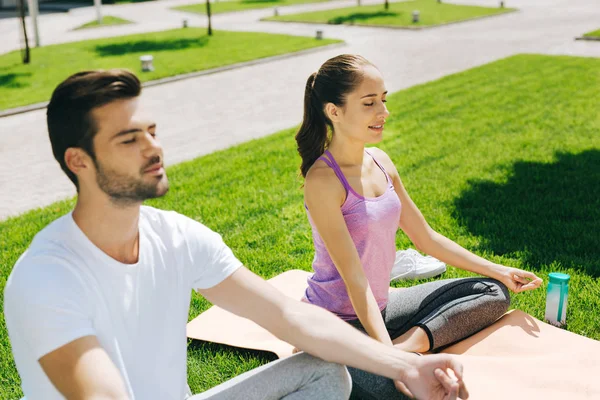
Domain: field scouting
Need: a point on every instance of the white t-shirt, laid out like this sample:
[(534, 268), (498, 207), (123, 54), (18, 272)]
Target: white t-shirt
[(64, 287)]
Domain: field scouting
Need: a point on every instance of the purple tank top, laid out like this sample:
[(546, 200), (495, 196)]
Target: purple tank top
[(372, 223)]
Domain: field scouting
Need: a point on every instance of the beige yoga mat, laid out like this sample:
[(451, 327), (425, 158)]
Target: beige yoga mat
[(518, 357), (220, 326)]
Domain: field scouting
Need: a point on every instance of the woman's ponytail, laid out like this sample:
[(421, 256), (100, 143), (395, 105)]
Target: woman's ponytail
[(337, 77), (312, 135)]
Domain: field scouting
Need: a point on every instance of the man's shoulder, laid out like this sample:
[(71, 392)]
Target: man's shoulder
[(47, 262), (54, 231), (41, 275), (50, 245), (45, 266)]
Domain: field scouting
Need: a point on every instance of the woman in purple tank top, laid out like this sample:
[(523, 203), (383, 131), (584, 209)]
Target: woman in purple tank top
[(355, 201)]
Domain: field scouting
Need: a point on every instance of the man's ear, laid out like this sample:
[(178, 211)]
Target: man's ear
[(332, 111), (77, 160)]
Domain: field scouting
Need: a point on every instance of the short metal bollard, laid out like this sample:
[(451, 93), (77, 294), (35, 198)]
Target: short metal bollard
[(319, 35), (415, 16), (147, 63), (275, 12), (185, 23)]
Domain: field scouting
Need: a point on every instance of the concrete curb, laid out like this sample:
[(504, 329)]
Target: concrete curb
[(590, 38), (162, 81), (408, 28)]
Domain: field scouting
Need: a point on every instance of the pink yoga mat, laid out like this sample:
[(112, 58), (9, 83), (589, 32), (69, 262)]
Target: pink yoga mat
[(518, 357)]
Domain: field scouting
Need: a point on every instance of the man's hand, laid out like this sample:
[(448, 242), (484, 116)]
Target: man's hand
[(518, 280), (434, 377)]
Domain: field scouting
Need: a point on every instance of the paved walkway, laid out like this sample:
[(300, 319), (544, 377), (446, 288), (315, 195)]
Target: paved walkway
[(200, 115), (149, 16)]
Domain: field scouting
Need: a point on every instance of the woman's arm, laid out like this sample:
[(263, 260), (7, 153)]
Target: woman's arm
[(323, 195), (431, 242)]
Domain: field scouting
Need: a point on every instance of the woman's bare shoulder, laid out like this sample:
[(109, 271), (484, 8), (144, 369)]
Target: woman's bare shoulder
[(383, 158), (322, 183)]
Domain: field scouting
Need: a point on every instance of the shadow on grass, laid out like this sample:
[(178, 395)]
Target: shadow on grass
[(213, 348), (359, 17), (12, 80), (12, 66), (544, 213), (142, 46)]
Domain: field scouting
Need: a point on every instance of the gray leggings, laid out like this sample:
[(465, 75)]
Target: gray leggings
[(299, 377), (448, 311)]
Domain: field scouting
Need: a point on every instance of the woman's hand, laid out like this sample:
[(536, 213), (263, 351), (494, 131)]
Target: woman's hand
[(434, 377), (518, 280)]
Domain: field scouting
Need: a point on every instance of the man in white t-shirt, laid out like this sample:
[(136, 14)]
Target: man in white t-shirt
[(97, 307)]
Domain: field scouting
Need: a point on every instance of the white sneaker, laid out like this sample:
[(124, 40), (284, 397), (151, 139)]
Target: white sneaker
[(410, 264)]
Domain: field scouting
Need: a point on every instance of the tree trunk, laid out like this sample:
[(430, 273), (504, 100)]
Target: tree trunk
[(209, 15), (26, 53)]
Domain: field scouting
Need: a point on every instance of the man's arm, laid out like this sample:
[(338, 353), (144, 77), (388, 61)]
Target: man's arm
[(322, 334), (83, 370)]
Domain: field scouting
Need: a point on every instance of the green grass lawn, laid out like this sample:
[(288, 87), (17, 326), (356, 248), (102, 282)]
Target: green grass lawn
[(399, 14), (175, 52), (504, 159), (593, 34), (107, 20), (240, 5)]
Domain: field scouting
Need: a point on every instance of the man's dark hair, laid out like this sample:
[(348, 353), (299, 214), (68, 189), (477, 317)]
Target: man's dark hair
[(69, 119)]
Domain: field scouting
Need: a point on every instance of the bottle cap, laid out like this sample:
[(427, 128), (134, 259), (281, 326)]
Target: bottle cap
[(558, 278)]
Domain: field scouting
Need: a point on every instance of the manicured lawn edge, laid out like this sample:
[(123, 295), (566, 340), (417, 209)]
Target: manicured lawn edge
[(590, 38), (410, 28), (107, 20), (593, 35), (162, 81)]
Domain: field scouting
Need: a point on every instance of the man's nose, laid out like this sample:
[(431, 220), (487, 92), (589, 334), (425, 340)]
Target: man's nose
[(151, 145)]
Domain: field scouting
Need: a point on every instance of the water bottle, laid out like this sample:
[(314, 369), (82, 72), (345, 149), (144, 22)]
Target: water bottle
[(556, 298)]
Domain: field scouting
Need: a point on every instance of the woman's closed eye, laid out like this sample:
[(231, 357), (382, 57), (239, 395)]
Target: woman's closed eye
[(370, 104)]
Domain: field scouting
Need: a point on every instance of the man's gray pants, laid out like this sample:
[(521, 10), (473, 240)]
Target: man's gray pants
[(299, 377)]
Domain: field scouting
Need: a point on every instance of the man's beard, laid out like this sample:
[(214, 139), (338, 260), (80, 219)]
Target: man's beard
[(125, 190)]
